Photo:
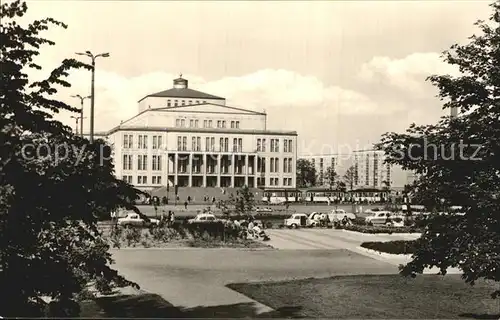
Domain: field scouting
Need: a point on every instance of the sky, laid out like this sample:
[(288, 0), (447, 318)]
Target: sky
[(340, 73)]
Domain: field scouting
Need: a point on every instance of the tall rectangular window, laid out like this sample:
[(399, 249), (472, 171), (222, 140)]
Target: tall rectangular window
[(290, 142), (184, 143), (237, 124), (127, 162), (240, 145), (179, 143), (232, 124), (235, 145), (263, 145), (258, 145), (210, 123), (212, 144)]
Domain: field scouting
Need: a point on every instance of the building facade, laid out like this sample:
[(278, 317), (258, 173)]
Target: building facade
[(187, 138)]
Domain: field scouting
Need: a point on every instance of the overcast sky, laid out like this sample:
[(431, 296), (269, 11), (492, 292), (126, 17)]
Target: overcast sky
[(339, 73)]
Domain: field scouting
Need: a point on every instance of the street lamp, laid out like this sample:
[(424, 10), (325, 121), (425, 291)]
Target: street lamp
[(92, 94), (81, 110), (76, 126)]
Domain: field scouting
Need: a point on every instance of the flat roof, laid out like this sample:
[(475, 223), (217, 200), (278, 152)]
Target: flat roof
[(204, 130)]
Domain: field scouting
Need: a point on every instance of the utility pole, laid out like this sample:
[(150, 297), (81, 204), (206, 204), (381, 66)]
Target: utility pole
[(82, 99), (76, 125), (92, 87)]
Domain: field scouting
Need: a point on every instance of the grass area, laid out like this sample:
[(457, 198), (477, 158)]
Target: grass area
[(377, 297)]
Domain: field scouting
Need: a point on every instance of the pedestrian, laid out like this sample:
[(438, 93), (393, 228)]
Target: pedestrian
[(189, 199), (185, 205), (213, 200), (172, 218)]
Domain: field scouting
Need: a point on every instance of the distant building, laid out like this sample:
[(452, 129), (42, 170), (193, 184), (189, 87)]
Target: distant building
[(189, 138), (369, 168)]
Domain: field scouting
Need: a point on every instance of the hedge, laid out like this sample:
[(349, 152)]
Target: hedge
[(380, 229), (393, 247)]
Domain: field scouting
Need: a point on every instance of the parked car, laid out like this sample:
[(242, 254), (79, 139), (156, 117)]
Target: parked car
[(339, 214), (203, 218), (380, 218), (133, 219), (297, 220), (372, 210)]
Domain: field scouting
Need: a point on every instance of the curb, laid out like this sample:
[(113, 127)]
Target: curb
[(383, 234)]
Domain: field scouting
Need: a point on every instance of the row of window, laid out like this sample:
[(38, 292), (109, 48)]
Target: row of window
[(142, 179), (182, 142), (287, 165), (286, 182), (175, 103), (194, 123), (275, 145), (142, 162), (142, 141)]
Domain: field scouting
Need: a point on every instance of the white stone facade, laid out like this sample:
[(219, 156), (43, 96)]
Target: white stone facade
[(202, 144)]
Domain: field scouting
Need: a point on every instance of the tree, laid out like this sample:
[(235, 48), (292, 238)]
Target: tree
[(350, 177), (306, 173), (243, 201), (54, 186), (331, 176), (458, 160), (341, 186)]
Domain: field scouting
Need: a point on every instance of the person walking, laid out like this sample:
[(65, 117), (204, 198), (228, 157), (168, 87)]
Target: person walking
[(172, 218)]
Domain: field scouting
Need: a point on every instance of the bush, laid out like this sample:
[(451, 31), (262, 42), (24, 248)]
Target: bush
[(359, 221), (380, 229), (393, 247)]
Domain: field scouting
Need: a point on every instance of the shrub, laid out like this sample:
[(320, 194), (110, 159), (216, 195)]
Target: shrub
[(380, 229), (393, 247), (359, 221), (132, 235)]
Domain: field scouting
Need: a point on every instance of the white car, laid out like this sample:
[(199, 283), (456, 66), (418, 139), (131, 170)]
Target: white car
[(297, 220), (380, 218), (339, 214), (133, 219), (263, 210), (203, 218)]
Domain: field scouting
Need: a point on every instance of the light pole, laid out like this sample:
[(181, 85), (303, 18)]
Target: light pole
[(92, 94), (81, 110), (76, 126)]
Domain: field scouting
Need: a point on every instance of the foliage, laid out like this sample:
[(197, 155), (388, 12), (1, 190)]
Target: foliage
[(393, 247), (49, 202), (380, 229), (306, 173), (465, 167), (350, 177), (331, 177), (341, 186), (243, 201)]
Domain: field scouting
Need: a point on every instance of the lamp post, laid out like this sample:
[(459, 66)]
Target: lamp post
[(92, 93), (81, 110), (76, 125)]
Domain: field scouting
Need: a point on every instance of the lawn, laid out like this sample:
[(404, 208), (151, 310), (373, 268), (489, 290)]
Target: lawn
[(377, 296)]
